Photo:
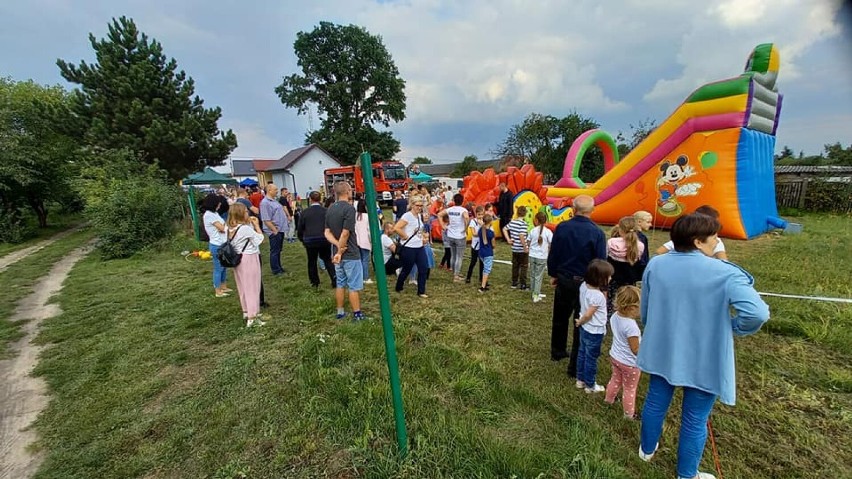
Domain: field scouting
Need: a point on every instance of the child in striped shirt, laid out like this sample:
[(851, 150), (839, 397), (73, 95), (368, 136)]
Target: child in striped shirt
[(516, 233)]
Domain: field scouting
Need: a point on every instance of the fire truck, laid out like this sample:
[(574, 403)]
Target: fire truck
[(388, 176)]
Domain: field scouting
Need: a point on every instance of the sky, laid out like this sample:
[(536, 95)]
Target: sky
[(472, 68)]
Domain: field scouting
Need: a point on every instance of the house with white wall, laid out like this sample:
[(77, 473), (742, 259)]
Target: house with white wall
[(300, 170)]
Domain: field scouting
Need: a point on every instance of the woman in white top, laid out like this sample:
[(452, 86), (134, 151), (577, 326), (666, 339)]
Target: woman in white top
[(455, 219), (719, 251), (245, 235), (214, 226), (362, 237), (411, 232), (540, 239)]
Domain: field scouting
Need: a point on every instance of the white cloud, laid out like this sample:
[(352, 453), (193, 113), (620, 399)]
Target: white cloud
[(741, 13), (254, 141), (723, 35), (499, 59)]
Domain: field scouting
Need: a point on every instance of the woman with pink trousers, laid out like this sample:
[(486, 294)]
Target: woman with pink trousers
[(245, 235)]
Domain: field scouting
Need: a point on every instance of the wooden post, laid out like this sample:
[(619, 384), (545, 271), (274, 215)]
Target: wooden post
[(802, 193)]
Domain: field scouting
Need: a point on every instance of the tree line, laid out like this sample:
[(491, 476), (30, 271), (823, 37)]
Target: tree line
[(134, 114)]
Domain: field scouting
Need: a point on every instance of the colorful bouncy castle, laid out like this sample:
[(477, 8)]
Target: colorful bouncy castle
[(716, 148)]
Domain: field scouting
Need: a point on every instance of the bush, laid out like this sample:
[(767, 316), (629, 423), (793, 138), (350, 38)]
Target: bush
[(136, 213), (15, 229), (829, 196)]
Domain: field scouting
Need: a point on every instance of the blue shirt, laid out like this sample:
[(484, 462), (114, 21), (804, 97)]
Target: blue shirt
[(486, 248), (687, 299), (576, 243), (271, 210)]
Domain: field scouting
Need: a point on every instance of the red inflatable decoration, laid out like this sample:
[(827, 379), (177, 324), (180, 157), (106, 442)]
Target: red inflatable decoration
[(482, 188)]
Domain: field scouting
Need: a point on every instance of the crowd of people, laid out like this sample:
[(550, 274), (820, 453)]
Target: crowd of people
[(690, 304)]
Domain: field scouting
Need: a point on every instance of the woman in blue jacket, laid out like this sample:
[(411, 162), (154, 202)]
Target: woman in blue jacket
[(692, 306)]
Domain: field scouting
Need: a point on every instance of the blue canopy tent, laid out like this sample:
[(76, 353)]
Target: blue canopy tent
[(248, 182)]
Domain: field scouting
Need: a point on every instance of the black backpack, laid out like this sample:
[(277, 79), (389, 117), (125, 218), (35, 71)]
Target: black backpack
[(227, 253)]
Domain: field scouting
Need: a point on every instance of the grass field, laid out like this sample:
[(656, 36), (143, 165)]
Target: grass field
[(152, 377)]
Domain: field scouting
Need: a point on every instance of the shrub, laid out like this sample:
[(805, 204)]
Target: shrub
[(15, 228), (136, 213), (829, 196)]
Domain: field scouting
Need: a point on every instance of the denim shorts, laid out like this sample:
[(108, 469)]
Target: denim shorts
[(487, 263), (350, 274)]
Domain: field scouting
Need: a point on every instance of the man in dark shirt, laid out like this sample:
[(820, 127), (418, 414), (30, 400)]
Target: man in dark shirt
[(504, 206), (576, 243), (340, 232), (400, 206), (311, 232)]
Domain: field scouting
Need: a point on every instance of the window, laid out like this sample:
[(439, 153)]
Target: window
[(394, 172)]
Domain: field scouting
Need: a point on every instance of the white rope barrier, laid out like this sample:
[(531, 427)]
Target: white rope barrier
[(813, 298)]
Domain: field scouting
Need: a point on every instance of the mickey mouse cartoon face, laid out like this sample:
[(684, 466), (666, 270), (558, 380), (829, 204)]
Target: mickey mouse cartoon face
[(674, 172)]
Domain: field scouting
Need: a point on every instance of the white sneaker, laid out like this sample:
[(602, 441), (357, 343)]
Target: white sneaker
[(398, 271), (701, 475), (542, 296), (647, 457), (413, 281), (597, 388), (536, 299), (368, 281), (580, 385), (249, 323)]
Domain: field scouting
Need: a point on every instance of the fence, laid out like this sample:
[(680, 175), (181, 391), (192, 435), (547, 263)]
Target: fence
[(791, 193), (814, 194)]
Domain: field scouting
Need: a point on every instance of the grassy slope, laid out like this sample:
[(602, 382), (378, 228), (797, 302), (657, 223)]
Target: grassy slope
[(151, 376), (18, 280)]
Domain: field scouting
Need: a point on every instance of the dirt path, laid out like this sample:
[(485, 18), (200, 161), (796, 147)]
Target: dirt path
[(23, 397), (16, 256)]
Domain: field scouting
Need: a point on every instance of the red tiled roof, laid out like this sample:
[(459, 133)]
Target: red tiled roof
[(262, 165)]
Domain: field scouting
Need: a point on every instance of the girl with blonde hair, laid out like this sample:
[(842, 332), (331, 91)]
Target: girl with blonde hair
[(245, 234), (624, 251)]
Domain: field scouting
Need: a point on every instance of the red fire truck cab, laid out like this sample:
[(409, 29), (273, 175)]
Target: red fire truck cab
[(388, 176)]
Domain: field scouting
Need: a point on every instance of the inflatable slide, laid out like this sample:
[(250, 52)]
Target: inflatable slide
[(716, 148)]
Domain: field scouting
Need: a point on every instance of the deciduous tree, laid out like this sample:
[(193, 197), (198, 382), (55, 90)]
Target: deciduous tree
[(36, 158), (545, 140), (351, 78), (464, 168)]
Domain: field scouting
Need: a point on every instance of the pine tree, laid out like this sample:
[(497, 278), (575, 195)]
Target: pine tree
[(133, 97)]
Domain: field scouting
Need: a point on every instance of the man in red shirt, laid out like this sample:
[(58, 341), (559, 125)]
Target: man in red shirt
[(256, 197)]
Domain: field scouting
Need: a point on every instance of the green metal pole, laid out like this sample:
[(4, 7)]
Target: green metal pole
[(384, 304), (193, 213)]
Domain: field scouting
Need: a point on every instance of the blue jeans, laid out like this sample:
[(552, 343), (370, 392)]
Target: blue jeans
[(587, 357), (348, 275), (365, 263), (697, 405), (220, 274), (276, 242)]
